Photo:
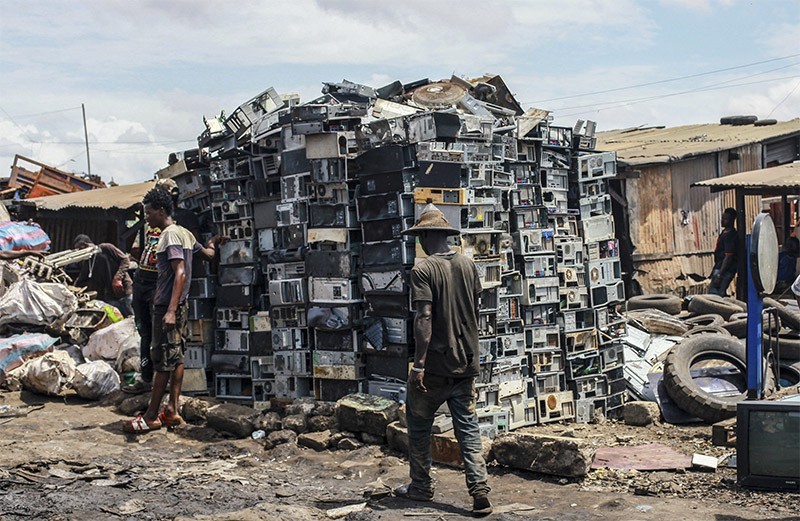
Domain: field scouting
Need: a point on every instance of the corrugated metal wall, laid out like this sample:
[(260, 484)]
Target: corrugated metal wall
[(650, 207), (749, 159), (695, 211), (668, 217)]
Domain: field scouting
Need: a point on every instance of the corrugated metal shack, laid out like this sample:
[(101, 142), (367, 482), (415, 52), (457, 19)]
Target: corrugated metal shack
[(105, 214), (669, 230)]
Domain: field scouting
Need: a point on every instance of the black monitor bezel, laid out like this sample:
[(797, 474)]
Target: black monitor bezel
[(745, 477)]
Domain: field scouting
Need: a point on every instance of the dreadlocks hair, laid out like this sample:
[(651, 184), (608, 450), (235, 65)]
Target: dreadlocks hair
[(158, 199)]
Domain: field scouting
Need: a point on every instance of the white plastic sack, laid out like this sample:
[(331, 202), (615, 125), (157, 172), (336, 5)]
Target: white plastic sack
[(30, 302), (94, 380), (109, 342), (48, 374), (128, 361)]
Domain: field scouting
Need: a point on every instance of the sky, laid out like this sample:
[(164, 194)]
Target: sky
[(148, 71)]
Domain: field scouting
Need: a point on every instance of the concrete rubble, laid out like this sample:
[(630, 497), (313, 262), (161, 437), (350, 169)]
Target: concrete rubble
[(555, 455)]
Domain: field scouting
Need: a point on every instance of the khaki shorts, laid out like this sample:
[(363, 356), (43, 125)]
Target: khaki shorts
[(167, 347)]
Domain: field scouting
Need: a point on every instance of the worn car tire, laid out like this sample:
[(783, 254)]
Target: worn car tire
[(736, 302), (788, 319), (667, 303), (765, 122), (702, 330), (790, 373), (685, 392), (737, 316), (789, 345), (662, 326), (713, 305), (711, 319), (737, 328)]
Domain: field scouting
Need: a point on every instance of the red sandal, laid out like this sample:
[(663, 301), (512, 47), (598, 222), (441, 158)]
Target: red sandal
[(139, 425), (170, 422)]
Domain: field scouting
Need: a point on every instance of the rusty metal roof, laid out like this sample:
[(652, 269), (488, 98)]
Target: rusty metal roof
[(654, 145), (115, 197), (776, 180)]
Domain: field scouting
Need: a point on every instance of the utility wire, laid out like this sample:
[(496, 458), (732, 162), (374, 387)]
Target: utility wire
[(599, 104), (784, 99), (702, 89), (666, 80), (18, 126), (34, 114)]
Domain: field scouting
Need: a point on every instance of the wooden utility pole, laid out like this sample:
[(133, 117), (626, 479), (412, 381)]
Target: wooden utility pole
[(86, 137)]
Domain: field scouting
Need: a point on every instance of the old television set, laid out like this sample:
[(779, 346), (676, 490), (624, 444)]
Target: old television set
[(768, 444)]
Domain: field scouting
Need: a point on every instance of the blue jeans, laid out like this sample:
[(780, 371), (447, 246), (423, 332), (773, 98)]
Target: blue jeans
[(459, 393), (724, 282)]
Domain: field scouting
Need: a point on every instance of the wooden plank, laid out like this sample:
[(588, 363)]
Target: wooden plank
[(723, 434)]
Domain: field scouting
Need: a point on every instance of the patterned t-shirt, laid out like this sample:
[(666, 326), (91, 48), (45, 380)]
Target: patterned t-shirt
[(176, 242), (148, 263)]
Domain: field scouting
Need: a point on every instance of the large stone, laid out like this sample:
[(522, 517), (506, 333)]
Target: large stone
[(321, 423), (349, 444), (279, 438), (114, 398), (318, 441), (371, 439), (397, 437), (445, 449), (232, 419), (555, 455), (641, 413), (366, 413), (134, 405), (302, 406), (269, 421), (194, 409), (401, 415), (324, 409), (296, 422)]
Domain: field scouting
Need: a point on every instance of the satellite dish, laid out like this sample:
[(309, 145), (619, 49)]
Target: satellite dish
[(764, 254), (438, 95)]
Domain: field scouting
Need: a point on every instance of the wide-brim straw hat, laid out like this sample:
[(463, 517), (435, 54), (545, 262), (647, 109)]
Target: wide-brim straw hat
[(431, 220)]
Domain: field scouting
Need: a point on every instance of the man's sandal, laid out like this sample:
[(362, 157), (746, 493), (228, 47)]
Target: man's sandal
[(170, 421), (139, 425)]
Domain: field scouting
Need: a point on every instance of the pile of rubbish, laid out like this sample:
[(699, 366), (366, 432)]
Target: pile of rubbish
[(690, 357), (55, 338)]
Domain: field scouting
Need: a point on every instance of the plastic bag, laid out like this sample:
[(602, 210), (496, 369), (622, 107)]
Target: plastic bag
[(15, 350), (49, 374), (30, 302), (109, 342), (128, 361), (94, 380)]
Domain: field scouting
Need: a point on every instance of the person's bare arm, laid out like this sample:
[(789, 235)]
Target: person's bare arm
[(177, 289), (423, 331)]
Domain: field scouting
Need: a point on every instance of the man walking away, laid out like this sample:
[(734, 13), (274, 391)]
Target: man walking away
[(445, 288), (174, 252), (106, 273), (725, 255)]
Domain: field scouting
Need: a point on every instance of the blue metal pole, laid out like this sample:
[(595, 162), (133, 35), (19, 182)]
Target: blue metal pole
[(755, 310)]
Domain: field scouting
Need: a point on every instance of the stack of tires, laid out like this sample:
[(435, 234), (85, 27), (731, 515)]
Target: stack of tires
[(715, 329)]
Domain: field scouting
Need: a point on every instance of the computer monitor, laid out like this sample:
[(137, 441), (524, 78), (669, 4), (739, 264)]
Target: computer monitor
[(768, 444)]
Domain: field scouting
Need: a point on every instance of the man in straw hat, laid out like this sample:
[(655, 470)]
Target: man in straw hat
[(445, 288)]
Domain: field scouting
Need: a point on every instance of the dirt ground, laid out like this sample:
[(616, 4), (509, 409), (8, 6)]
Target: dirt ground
[(70, 460)]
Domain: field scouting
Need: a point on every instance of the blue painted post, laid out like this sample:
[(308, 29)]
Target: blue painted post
[(755, 310)]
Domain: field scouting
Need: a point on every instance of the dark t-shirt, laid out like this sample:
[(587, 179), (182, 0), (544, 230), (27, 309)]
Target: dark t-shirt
[(98, 272), (175, 242), (452, 284), (727, 244)]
